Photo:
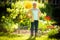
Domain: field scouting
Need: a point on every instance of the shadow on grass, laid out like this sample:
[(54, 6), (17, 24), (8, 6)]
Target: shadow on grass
[(9, 35), (55, 36), (31, 38)]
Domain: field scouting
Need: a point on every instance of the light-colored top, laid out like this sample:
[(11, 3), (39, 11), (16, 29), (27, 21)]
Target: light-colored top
[(35, 13)]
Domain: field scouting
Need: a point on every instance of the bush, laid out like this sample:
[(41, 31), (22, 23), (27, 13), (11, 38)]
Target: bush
[(8, 25), (52, 32)]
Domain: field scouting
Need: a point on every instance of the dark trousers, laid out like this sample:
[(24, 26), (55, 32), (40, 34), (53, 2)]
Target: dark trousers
[(34, 26)]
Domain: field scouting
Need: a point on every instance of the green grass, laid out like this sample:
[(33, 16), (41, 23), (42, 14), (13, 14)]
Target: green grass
[(24, 37)]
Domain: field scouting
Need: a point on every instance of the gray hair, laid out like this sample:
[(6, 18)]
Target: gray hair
[(34, 3)]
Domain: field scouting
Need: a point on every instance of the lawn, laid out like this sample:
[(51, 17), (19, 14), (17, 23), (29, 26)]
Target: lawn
[(24, 37)]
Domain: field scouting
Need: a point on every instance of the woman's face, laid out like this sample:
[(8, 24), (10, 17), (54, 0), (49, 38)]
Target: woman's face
[(34, 5)]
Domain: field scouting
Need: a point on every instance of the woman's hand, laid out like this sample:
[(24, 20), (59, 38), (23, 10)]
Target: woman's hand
[(29, 16)]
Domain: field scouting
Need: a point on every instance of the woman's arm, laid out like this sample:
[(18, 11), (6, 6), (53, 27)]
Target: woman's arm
[(29, 14), (39, 13)]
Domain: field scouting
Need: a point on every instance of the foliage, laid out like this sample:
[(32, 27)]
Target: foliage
[(8, 24), (53, 32), (46, 8), (46, 18), (14, 16), (44, 24), (17, 15)]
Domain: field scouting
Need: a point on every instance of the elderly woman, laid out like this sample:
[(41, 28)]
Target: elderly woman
[(34, 14)]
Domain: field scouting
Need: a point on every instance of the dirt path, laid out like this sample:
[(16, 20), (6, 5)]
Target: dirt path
[(22, 32), (28, 32)]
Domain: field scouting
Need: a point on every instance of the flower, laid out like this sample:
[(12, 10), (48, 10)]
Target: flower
[(47, 18), (28, 5), (50, 27)]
